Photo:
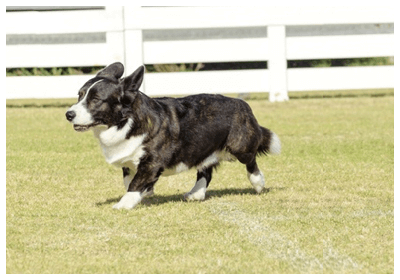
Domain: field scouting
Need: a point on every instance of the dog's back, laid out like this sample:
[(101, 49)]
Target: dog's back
[(209, 123)]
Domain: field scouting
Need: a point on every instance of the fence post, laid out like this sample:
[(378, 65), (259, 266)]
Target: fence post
[(277, 64), (115, 37), (133, 45)]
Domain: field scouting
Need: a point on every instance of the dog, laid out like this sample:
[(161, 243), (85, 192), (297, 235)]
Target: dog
[(149, 137)]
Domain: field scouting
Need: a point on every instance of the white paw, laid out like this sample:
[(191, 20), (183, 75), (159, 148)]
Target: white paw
[(257, 180), (129, 201), (194, 196), (198, 192)]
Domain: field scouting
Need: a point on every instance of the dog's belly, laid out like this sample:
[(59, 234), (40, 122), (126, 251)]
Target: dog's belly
[(211, 160), (181, 167)]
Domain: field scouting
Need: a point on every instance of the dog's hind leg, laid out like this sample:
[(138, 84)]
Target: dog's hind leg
[(198, 192), (256, 177)]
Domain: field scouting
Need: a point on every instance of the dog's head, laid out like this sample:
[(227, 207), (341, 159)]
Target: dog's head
[(105, 99)]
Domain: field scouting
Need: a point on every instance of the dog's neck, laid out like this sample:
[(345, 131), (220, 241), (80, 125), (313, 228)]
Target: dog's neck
[(146, 115)]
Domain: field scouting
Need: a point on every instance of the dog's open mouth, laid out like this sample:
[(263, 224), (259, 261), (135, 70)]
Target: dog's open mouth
[(82, 128)]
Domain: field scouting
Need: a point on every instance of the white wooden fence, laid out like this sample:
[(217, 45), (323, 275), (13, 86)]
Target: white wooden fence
[(124, 42)]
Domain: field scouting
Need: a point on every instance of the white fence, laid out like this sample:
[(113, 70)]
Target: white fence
[(124, 42)]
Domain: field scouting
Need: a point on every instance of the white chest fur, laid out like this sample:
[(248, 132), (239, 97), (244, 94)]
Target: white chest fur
[(118, 150)]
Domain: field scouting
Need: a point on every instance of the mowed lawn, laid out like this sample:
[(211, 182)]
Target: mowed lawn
[(329, 208)]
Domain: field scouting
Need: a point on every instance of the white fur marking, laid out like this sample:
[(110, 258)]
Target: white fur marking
[(214, 158), (257, 180), (275, 146), (198, 192), (118, 150), (113, 136), (83, 117), (181, 167), (209, 161), (129, 200)]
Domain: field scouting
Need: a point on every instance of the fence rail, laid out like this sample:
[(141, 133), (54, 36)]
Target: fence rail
[(124, 27)]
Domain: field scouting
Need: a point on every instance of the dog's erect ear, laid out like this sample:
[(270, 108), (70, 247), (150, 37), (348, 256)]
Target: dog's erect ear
[(113, 71), (133, 81), (131, 85)]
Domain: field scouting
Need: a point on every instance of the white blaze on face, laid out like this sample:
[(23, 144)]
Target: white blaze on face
[(83, 116)]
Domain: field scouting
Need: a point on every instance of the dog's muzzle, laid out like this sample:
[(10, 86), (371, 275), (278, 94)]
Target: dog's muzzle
[(70, 115)]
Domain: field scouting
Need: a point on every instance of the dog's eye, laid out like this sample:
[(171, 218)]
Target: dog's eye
[(96, 99)]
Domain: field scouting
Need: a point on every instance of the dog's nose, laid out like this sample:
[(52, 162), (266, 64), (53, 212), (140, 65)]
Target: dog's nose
[(70, 115)]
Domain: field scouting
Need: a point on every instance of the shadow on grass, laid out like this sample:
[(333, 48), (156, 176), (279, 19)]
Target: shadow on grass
[(160, 199)]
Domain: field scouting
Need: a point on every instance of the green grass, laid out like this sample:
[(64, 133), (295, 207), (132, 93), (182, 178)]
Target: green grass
[(329, 208), (66, 102)]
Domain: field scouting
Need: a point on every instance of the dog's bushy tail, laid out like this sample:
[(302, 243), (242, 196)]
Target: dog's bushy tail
[(270, 143)]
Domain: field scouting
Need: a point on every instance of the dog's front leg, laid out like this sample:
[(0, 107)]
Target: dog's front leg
[(128, 175), (141, 186)]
